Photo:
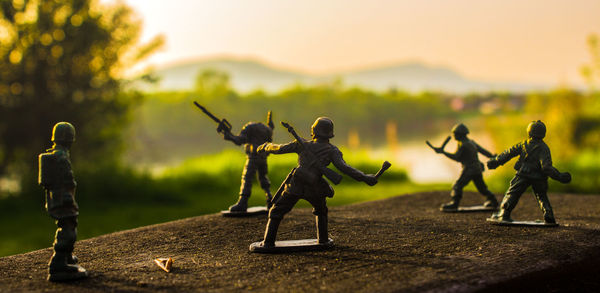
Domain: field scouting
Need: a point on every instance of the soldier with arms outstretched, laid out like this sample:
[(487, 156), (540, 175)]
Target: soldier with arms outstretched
[(472, 168), (533, 169), (306, 180), (56, 176)]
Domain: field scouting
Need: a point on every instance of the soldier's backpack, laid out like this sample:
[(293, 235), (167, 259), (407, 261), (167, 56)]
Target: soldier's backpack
[(47, 169)]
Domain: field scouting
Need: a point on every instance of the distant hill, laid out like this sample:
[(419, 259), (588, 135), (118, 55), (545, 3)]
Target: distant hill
[(247, 75)]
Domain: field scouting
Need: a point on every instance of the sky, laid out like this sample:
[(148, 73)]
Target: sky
[(531, 41)]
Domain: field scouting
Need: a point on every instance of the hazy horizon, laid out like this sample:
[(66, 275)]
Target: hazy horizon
[(528, 41)]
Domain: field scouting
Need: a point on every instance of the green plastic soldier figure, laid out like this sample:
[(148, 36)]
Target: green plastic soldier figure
[(56, 176), (252, 135), (472, 168), (533, 169), (306, 181)]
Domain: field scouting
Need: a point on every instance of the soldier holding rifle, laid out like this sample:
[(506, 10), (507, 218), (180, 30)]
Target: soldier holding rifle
[(306, 181), (251, 136)]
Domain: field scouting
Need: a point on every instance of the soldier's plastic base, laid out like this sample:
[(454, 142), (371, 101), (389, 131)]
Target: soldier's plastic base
[(252, 211), (68, 276), (537, 223), (291, 246), (469, 209)]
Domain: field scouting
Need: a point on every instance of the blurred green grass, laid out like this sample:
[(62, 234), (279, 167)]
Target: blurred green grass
[(117, 198), (114, 198)]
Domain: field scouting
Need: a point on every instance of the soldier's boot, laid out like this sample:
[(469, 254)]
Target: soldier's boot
[(322, 234), (490, 201), (72, 259), (241, 205), (502, 215), (549, 219), (269, 200), (548, 213), (453, 204), (271, 232), (59, 268), (456, 195), (508, 204)]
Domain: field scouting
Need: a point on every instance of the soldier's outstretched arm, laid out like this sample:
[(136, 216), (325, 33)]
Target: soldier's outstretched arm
[(484, 151), (456, 155), (562, 177), (338, 161), (237, 139), (551, 171), (505, 156), (272, 148)]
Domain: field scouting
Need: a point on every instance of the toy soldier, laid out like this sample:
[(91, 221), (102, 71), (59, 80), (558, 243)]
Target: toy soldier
[(533, 169), (306, 181), (252, 135), (472, 168), (56, 176)]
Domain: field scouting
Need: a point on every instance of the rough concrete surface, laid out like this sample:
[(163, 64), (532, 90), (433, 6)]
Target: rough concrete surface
[(399, 244)]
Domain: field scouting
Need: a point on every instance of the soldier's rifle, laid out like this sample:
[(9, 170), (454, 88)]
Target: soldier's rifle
[(224, 125), (270, 119), (440, 148), (333, 176)]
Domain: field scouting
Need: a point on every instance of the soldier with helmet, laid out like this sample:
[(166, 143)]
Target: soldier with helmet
[(533, 169), (251, 136), (472, 168), (56, 177), (306, 180)]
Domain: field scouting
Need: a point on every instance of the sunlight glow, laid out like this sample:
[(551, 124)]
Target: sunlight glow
[(530, 41)]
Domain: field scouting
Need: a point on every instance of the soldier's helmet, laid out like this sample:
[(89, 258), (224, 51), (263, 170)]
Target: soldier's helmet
[(63, 132), (460, 129), (323, 127), (536, 129)]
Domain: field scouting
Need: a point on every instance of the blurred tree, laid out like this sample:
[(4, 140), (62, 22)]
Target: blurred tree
[(213, 83), (588, 129), (64, 60), (591, 71)]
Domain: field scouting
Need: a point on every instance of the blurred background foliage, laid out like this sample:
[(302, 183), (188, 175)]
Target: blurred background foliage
[(143, 158), (63, 60)]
